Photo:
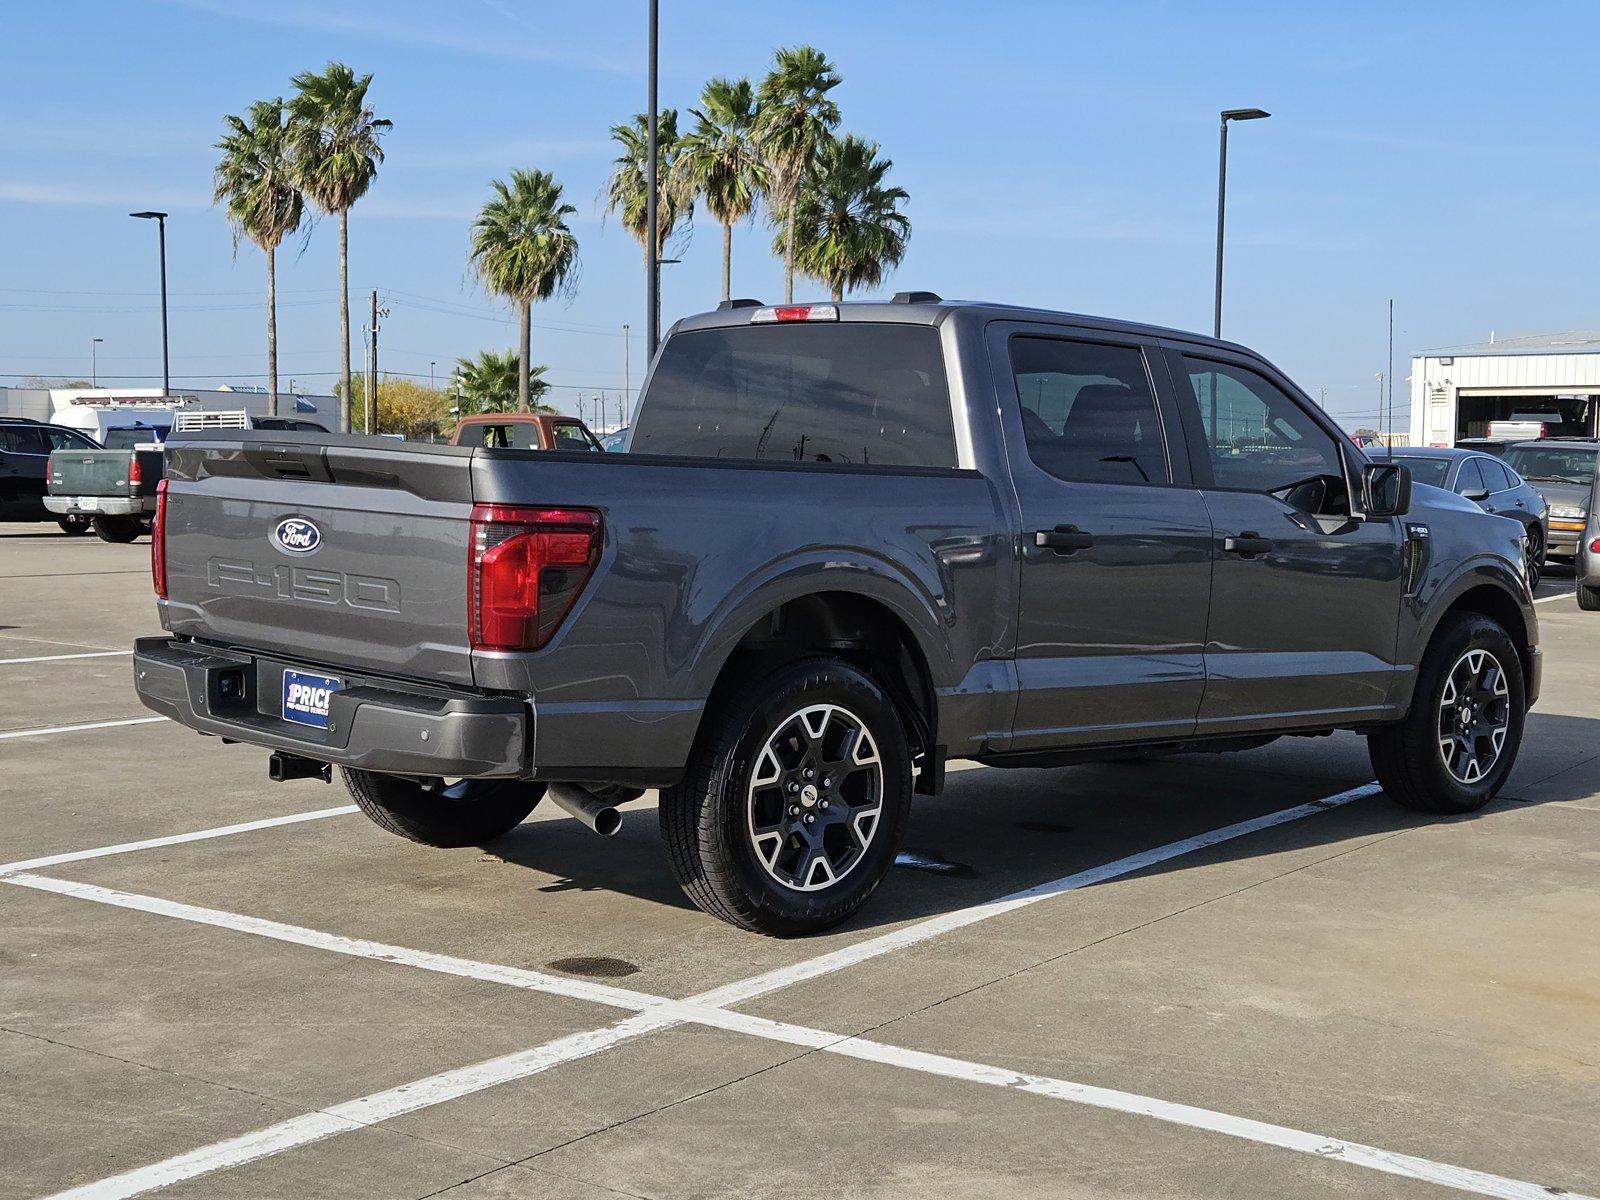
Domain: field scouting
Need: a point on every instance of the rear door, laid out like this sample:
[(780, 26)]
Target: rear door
[(1305, 597), (23, 455), (1115, 555)]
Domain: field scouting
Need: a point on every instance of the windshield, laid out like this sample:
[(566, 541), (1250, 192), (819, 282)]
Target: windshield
[(813, 392), (1553, 464), (1426, 470)]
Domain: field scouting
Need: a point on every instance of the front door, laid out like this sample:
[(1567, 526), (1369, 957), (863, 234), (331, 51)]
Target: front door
[(1305, 596), (1115, 554)]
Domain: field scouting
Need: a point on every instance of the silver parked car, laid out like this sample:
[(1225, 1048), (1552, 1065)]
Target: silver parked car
[(1563, 471), (1492, 485)]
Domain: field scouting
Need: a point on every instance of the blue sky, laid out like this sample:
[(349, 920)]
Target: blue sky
[(1061, 154)]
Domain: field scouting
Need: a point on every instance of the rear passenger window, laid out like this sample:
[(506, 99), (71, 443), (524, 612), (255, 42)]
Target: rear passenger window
[(872, 394), (511, 435), (1088, 411)]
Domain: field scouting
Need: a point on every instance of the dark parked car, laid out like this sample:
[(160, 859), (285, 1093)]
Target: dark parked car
[(849, 543), (1563, 471), (25, 447), (1490, 484), (1487, 445)]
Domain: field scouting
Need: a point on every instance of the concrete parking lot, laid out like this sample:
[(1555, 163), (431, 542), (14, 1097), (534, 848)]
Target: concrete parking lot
[(1242, 976)]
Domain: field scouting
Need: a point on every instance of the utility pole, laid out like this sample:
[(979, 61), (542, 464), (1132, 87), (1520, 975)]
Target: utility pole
[(652, 169), (1391, 378), (627, 390), (94, 361), (372, 369), (160, 218)]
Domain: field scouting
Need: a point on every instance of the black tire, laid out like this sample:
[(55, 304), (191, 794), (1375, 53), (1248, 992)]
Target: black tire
[(1588, 598), (120, 530), (467, 813), (1407, 756), (709, 820), (73, 523), (1534, 539)]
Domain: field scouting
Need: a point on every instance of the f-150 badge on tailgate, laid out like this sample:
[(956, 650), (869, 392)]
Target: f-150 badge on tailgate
[(296, 535)]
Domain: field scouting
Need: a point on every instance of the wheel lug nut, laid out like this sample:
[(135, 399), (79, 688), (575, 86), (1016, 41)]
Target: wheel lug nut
[(827, 781), (793, 786), (810, 818), (808, 773), (794, 810), (824, 804)]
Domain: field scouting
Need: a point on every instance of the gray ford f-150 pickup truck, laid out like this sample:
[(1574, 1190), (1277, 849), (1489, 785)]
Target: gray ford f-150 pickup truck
[(849, 543)]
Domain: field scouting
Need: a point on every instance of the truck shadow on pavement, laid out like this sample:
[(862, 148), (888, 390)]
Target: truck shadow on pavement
[(996, 832)]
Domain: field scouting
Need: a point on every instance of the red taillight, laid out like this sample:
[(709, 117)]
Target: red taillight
[(1594, 546), (525, 570), (135, 471), (158, 541)]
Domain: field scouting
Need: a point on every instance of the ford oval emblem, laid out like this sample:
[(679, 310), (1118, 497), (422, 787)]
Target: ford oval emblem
[(296, 535)]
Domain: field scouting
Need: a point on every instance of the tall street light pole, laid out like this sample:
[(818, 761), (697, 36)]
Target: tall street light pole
[(1228, 114), (160, 218), (652, 165), (94, 361)]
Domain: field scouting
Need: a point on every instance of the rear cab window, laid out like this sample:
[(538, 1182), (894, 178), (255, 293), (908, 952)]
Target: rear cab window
[(848, 393), (502, 435)]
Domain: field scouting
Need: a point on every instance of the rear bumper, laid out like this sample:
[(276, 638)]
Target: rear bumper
[(372, 726), (100, 506)]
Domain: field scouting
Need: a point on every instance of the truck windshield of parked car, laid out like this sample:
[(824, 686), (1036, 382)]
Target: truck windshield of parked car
[(1431, 471), (1553, 464), (127, 437), (868, 394)]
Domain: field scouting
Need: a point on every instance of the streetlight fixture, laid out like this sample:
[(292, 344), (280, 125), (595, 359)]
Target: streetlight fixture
[(160, 218), (94, 361), (1228, 114)]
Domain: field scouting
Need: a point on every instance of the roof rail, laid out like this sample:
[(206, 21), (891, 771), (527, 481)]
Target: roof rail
[(916, 298), (730, 305)]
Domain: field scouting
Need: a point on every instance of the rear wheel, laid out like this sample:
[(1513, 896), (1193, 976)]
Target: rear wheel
[(1589, 598), (794, 800), (442, 812), (1456, 746), (73, 523), (117, 529)]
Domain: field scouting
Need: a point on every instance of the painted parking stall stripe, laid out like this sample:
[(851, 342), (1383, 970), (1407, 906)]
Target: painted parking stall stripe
[(654, 1013), (29, 733), (44, 658)]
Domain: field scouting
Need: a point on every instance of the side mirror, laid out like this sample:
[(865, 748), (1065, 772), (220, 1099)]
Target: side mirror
[(1388, 489), (1476, 495)]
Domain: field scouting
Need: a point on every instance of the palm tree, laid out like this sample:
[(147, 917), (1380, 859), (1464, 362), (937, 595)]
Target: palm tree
[(254, 179), (628, 191), (848, 223), (489, 381), (795, 116), (337, 154), (720, 161), (523, 250)]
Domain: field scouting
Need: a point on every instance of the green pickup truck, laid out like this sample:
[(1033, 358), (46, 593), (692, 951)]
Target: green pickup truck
[(114, 488)]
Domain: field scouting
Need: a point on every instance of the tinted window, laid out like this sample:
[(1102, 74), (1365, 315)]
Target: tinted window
[(23, 440), (574, 437), (68, 439), (125, 439), (1495, 477), (1088, 412), (1470, 478), (813, 392), (1258, 438), (1431, 471), (502, 435), (1553, 464)]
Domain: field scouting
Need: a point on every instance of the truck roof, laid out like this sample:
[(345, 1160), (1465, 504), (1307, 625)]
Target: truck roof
[(926, 308)]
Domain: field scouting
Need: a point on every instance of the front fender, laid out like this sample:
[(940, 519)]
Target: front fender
[(1444, 589)]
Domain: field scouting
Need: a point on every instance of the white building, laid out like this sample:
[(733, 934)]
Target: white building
[(76, 407), (1553, 378)]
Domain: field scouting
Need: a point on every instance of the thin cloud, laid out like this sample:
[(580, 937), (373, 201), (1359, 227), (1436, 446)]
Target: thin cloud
[(389, 28), (96, 195)]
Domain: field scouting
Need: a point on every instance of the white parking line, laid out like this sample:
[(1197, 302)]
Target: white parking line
[(42, 658), (1557, 596), (653, 1013), (27, 733), (198, 835), (706, 1008)]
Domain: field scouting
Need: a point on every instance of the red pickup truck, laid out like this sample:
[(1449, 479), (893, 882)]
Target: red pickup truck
[(524, 431)]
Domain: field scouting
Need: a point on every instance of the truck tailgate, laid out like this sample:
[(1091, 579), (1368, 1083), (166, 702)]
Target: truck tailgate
[(351, 555), (100, 472)]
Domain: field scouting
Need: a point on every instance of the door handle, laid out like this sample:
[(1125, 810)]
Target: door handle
[(1063, 539), (1247, 545)]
